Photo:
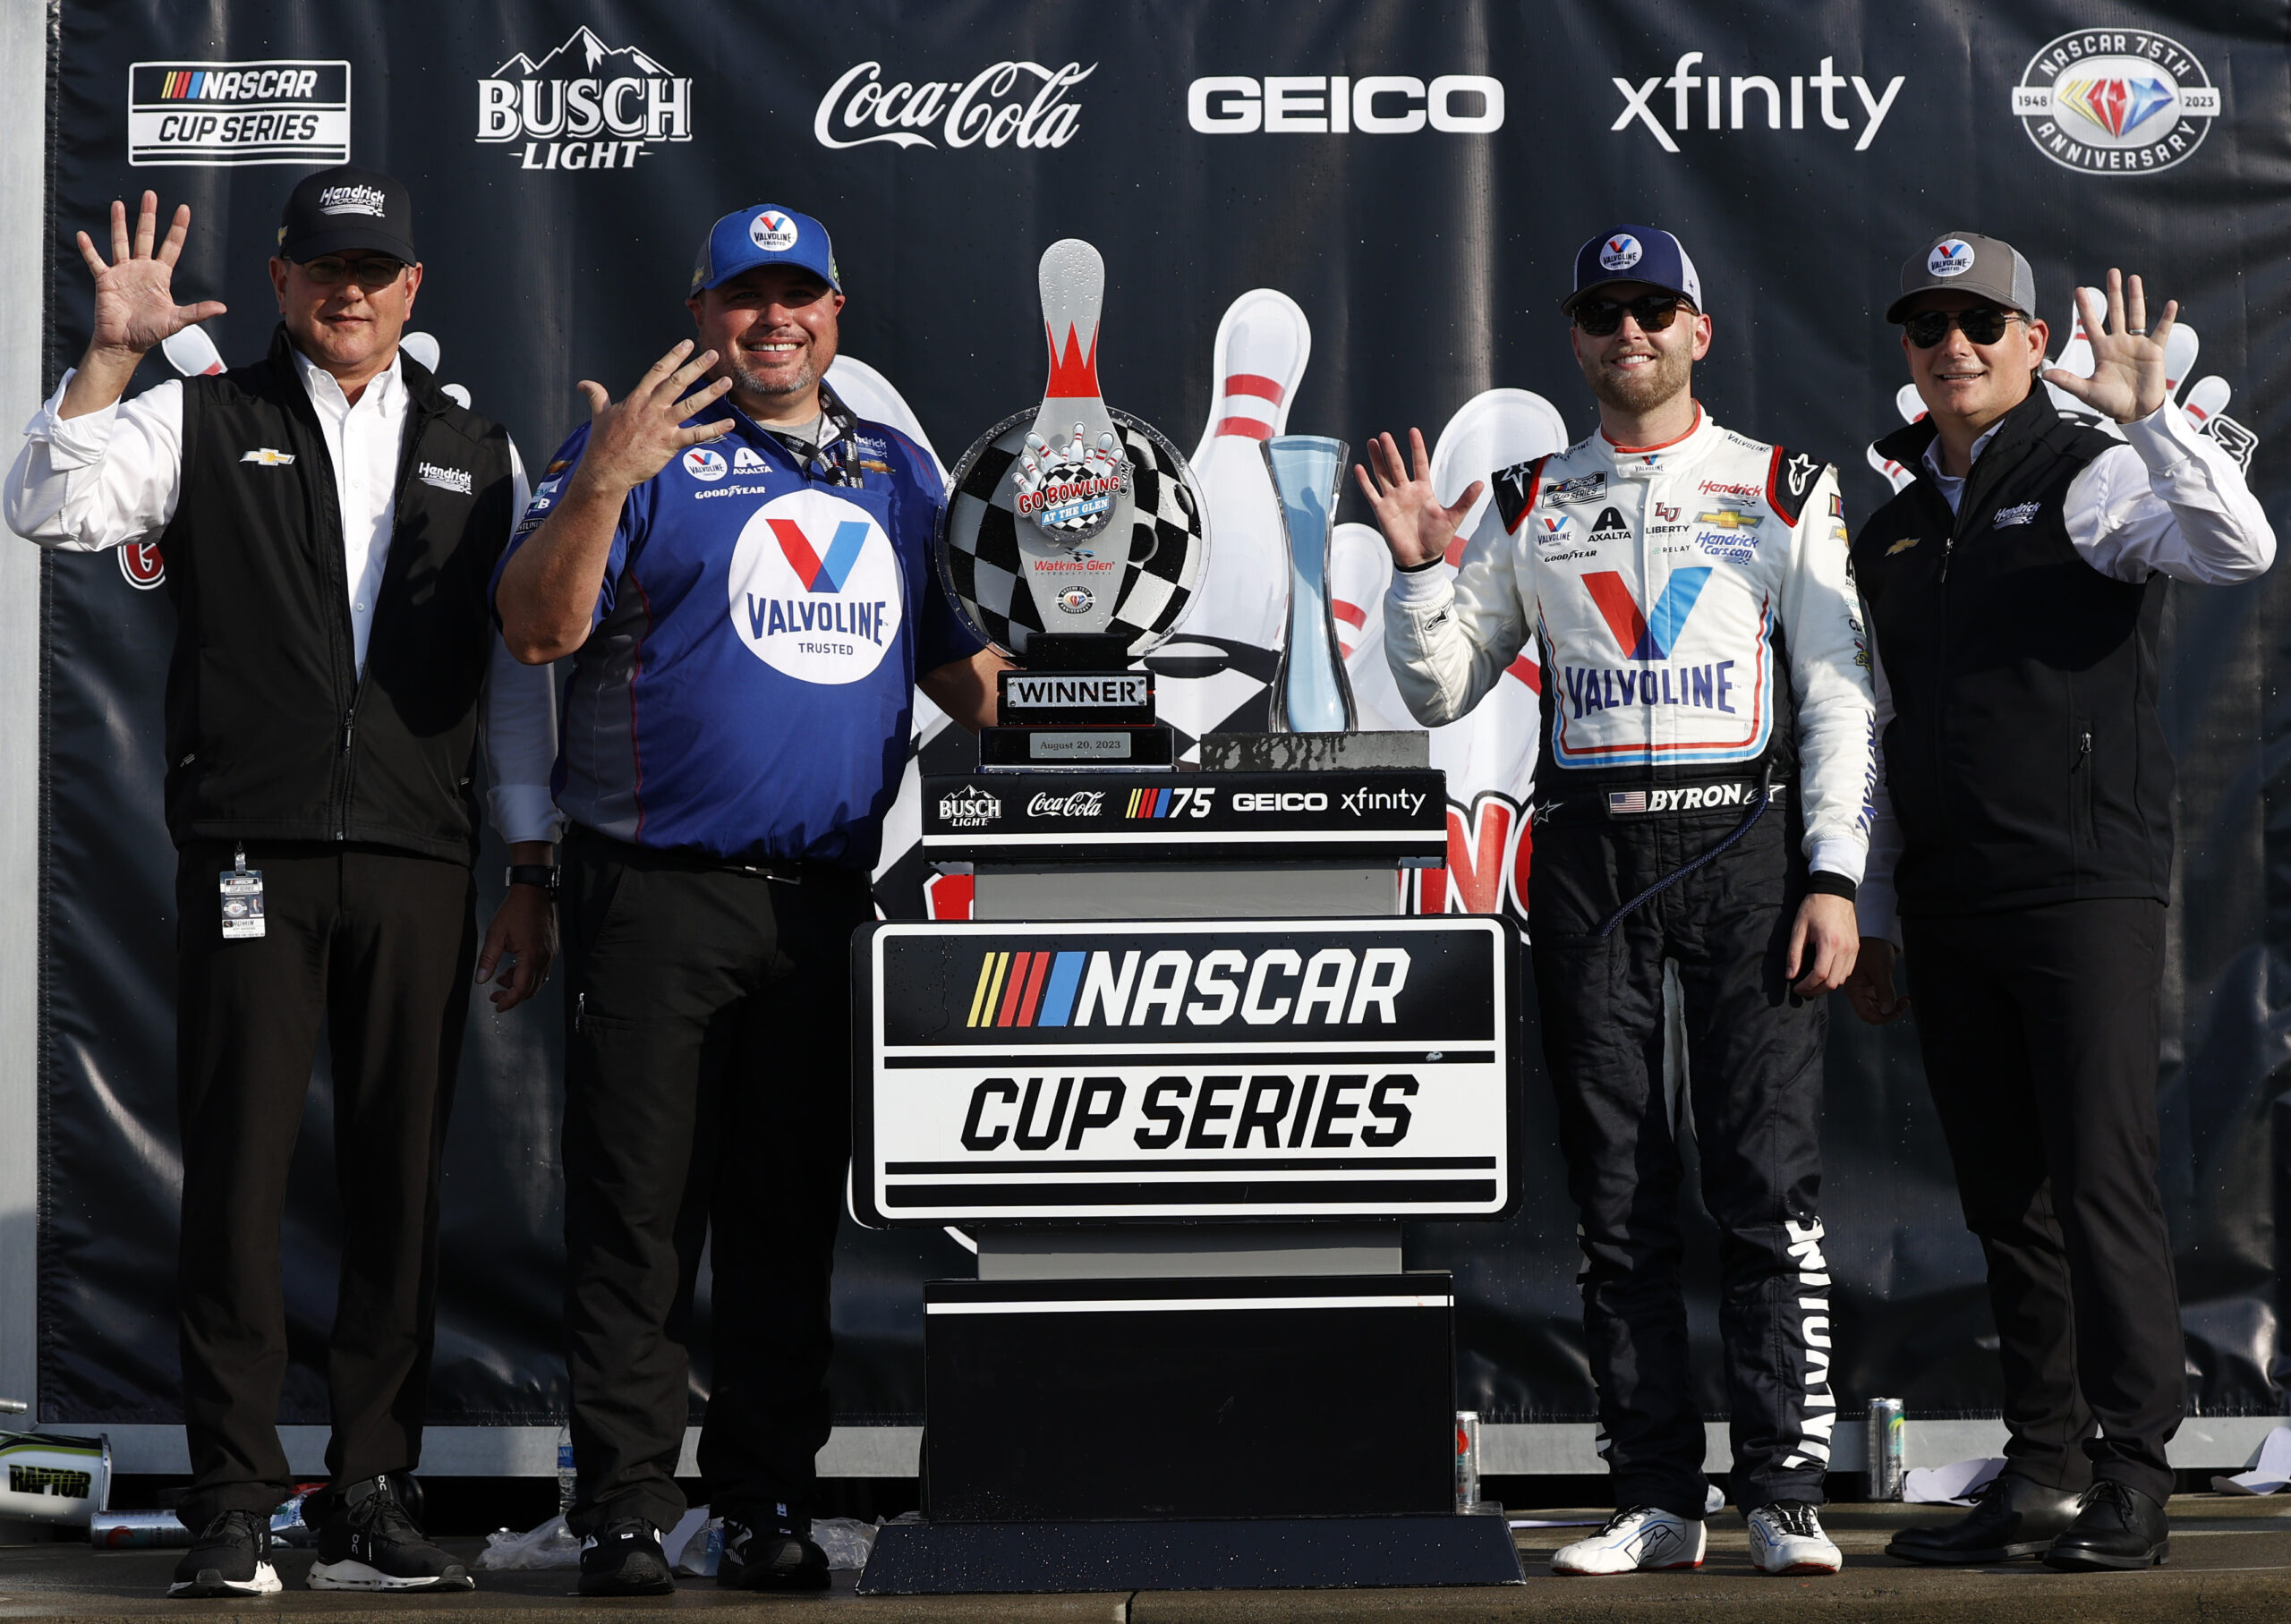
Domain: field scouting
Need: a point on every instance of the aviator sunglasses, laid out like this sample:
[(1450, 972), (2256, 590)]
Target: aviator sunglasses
[(1653, 312), (1983, 324), (372, 274)]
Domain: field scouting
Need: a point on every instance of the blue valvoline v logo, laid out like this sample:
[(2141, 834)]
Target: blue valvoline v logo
[(1651, 636)]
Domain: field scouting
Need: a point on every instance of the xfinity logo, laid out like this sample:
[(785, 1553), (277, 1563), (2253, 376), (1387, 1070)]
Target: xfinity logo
[(1359, 801), (584, 105), (1756, 95), (1377, 104), (1081, 803), (1008, 104)]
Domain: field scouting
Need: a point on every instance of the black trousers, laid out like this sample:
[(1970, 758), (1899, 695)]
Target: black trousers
[(378, 947), (2040, 1035), (707, 1099), (1754, 1061)]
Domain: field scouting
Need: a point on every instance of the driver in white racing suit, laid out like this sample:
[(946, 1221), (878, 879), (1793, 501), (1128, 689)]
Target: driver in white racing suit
[(1703, 805)]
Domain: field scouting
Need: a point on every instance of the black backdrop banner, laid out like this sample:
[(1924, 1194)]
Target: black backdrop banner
[(1415, 178)]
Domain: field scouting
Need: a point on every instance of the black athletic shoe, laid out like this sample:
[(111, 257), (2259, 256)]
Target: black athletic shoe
[(624, 1558), (2120, 1527), (777, 1554), (2014, 1518), (375, 1545), (227, 1558)]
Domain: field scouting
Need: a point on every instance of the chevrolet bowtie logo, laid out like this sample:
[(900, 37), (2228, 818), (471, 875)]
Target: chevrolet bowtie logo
[(1728, 518), (268, 458), (1901, 546)]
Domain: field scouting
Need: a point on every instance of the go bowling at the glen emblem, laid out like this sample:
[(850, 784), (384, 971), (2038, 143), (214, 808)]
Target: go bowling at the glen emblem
[(1073, 517)]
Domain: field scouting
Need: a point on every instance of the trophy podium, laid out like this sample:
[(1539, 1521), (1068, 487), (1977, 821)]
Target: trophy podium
[(1182, 1076)]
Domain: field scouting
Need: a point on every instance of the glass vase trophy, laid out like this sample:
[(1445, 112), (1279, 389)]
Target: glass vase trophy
[(1074, 540), (1311, 693)]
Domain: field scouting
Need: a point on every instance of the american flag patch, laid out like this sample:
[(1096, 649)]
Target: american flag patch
[(1626, 801)]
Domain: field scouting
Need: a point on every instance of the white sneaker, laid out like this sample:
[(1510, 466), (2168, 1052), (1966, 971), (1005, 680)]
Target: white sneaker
[(1787, 1537), (1639, 1540)]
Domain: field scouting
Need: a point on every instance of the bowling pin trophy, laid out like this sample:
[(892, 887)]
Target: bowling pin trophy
[(1311, 693), (1073, 542)]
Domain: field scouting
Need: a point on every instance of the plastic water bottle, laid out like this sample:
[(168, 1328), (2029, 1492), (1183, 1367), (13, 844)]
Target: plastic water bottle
[(565, 1479)]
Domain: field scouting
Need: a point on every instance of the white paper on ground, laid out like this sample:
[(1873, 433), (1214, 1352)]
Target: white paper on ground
[(550, 1546), (1949, 1485), (2270, 1473), (847, 1541), (673, 1540)]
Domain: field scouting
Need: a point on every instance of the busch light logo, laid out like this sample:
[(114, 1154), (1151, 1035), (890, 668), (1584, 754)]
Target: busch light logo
[(2116, 100), (815, 588), (969, 807), (1010, 104), (584, 105)]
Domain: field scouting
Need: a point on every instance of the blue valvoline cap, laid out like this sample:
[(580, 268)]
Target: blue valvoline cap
[(1634, 254), (765, 235)]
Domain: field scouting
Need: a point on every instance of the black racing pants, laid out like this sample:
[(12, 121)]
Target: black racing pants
[(2041, 1034), (1754, 1064), (378, 947), (707, 1099)]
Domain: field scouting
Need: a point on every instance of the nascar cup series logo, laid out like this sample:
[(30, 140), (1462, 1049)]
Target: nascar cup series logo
[(2116, 100), (815, 588)]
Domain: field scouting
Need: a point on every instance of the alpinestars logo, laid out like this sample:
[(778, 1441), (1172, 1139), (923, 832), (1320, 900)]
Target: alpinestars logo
[(1007, 104), (2116, 100), (584, 105)]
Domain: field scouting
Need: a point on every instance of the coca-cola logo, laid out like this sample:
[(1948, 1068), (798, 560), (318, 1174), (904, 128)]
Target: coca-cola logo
[(1079, 804), (1020, 103)]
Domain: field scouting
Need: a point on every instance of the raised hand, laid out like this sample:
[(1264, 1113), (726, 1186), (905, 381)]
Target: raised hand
[(2128, 379), (1417, 527), (634, 440), (135, 302)]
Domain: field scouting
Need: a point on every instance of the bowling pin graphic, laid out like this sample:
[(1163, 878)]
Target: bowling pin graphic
[(192, 352), (1262, 345)]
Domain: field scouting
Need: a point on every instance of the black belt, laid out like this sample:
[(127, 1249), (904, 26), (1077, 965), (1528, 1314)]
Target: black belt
[(1661, 801), (689, 859)]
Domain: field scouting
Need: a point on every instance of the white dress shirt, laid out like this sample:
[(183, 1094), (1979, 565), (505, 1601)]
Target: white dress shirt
[(2168, 501), (107, 478)]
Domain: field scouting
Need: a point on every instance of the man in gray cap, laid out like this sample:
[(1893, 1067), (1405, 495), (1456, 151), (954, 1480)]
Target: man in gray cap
[(2022, 857)]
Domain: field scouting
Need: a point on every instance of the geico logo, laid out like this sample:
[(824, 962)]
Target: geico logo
[(1083, 989), (1377, 104), (1287, 799), (1222, 1113)]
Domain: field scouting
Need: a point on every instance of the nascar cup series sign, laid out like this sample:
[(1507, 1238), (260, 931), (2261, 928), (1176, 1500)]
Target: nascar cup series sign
[(1287, 1068)]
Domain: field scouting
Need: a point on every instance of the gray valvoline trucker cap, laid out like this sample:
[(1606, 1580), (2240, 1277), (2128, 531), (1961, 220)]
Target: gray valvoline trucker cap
[(1965, 263)]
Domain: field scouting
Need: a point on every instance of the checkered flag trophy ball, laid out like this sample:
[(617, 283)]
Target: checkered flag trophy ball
[(1073, 517)]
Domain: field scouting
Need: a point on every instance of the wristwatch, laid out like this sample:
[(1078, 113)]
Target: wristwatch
[(542, 874)]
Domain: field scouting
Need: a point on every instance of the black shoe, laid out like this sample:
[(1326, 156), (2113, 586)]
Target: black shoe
[(2015, 1519), (775, 1554), (227, 1558), (2120, 1527), (375, 1545), (624, 1558)]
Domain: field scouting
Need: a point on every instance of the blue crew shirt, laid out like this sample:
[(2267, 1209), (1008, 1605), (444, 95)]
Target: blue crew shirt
[(747, 686)]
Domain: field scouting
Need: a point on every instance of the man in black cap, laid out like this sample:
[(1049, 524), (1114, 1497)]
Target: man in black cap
[(2023, 858), (329, 518)]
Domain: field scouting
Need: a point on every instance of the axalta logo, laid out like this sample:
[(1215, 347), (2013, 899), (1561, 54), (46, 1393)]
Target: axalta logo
[(1373, 103), (1953, 258), (815, 588), (1006, 103), (969, 807), (1279, 986), (2116, 100), (584, 105), (1739, 101), (214, 113), (1620, 253)]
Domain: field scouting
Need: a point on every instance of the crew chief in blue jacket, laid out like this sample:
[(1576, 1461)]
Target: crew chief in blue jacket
[(749, 600)]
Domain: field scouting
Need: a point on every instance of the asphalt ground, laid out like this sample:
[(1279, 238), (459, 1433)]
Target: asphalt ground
[(2231, 1561)]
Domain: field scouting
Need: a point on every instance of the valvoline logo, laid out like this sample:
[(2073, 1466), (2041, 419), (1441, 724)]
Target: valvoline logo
[(706, 463), (1621, 253), (1650, 635), (815, 588), (1953, 258)]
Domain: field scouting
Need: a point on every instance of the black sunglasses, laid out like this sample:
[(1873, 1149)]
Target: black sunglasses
[(373, 274), (1652, 311), (1983, 324)]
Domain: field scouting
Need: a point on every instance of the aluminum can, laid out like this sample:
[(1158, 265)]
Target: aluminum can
[(1467, 1461), (1887, 1450), (136, 1530)]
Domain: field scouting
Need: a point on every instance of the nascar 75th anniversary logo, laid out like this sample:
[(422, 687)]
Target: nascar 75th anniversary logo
[(1282, 1068)]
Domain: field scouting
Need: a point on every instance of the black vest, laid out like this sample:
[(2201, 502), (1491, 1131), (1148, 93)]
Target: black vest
[(272, 733), (2025, 759)]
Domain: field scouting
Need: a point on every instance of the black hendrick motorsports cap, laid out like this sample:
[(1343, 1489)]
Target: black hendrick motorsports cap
[(1966, 262), (344, 209)]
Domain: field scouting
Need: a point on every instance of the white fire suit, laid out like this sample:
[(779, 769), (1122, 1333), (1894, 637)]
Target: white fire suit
[(1700, 635)]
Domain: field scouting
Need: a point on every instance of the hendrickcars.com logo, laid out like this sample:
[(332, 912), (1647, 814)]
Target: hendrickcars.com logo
[(212, 114)]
